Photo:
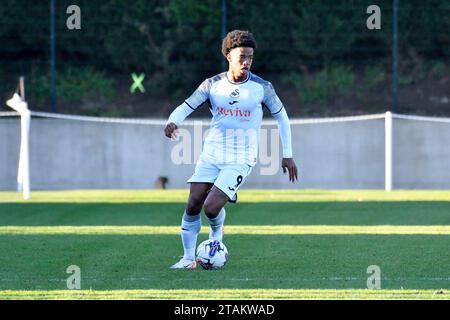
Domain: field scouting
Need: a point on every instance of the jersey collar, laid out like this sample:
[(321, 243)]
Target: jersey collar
[(236, 83)]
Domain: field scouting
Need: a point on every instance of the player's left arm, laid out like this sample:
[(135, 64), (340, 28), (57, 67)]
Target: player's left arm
[(278, 111), (288, 163)]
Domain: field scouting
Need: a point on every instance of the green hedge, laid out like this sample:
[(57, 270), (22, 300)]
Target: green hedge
[(177, 42)]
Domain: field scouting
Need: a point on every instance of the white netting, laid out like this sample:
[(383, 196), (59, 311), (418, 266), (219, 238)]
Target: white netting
[(421, 118), (9, 114), (191, 122)]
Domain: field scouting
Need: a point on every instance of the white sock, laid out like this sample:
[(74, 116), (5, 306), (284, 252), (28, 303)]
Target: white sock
[(190, 228), (216, 225)]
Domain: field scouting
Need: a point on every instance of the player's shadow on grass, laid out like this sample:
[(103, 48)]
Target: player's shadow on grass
[(245, 213)]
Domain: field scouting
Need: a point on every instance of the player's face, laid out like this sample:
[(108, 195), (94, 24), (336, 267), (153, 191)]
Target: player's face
[(240, 60)]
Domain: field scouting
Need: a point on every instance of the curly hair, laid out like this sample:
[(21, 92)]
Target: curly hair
[(237, 38)]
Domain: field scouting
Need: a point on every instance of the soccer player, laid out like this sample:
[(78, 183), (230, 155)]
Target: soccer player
[(235, 99)]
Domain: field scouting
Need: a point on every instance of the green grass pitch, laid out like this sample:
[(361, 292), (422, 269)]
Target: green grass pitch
[(283, 244)]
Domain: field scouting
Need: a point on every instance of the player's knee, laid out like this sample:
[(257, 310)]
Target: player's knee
[(211, 209), (194, 206)]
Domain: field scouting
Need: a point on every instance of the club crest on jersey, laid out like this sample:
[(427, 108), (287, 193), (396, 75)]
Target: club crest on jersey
[(234, 94)]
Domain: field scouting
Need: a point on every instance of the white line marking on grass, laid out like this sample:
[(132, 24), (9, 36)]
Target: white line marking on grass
[(234, 230), (227, 293), (244, 279)]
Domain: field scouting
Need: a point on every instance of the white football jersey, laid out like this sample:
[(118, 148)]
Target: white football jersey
[(237, 115)]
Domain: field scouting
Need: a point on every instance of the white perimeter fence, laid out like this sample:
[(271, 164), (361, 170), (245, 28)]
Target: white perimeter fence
[(381, 151)]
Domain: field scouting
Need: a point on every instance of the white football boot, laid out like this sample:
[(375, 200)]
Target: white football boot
[(185, 264)]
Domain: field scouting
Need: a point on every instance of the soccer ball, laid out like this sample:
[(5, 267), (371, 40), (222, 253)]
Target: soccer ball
[(212, 254)]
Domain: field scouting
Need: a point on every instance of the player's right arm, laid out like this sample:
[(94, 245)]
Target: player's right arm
[(186, 108)]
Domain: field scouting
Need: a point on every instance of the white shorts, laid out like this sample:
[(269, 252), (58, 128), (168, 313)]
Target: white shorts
[(226, 177)]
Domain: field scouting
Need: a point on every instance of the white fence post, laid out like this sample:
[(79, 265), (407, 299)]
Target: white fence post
[(23, 174), (388, 151)]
